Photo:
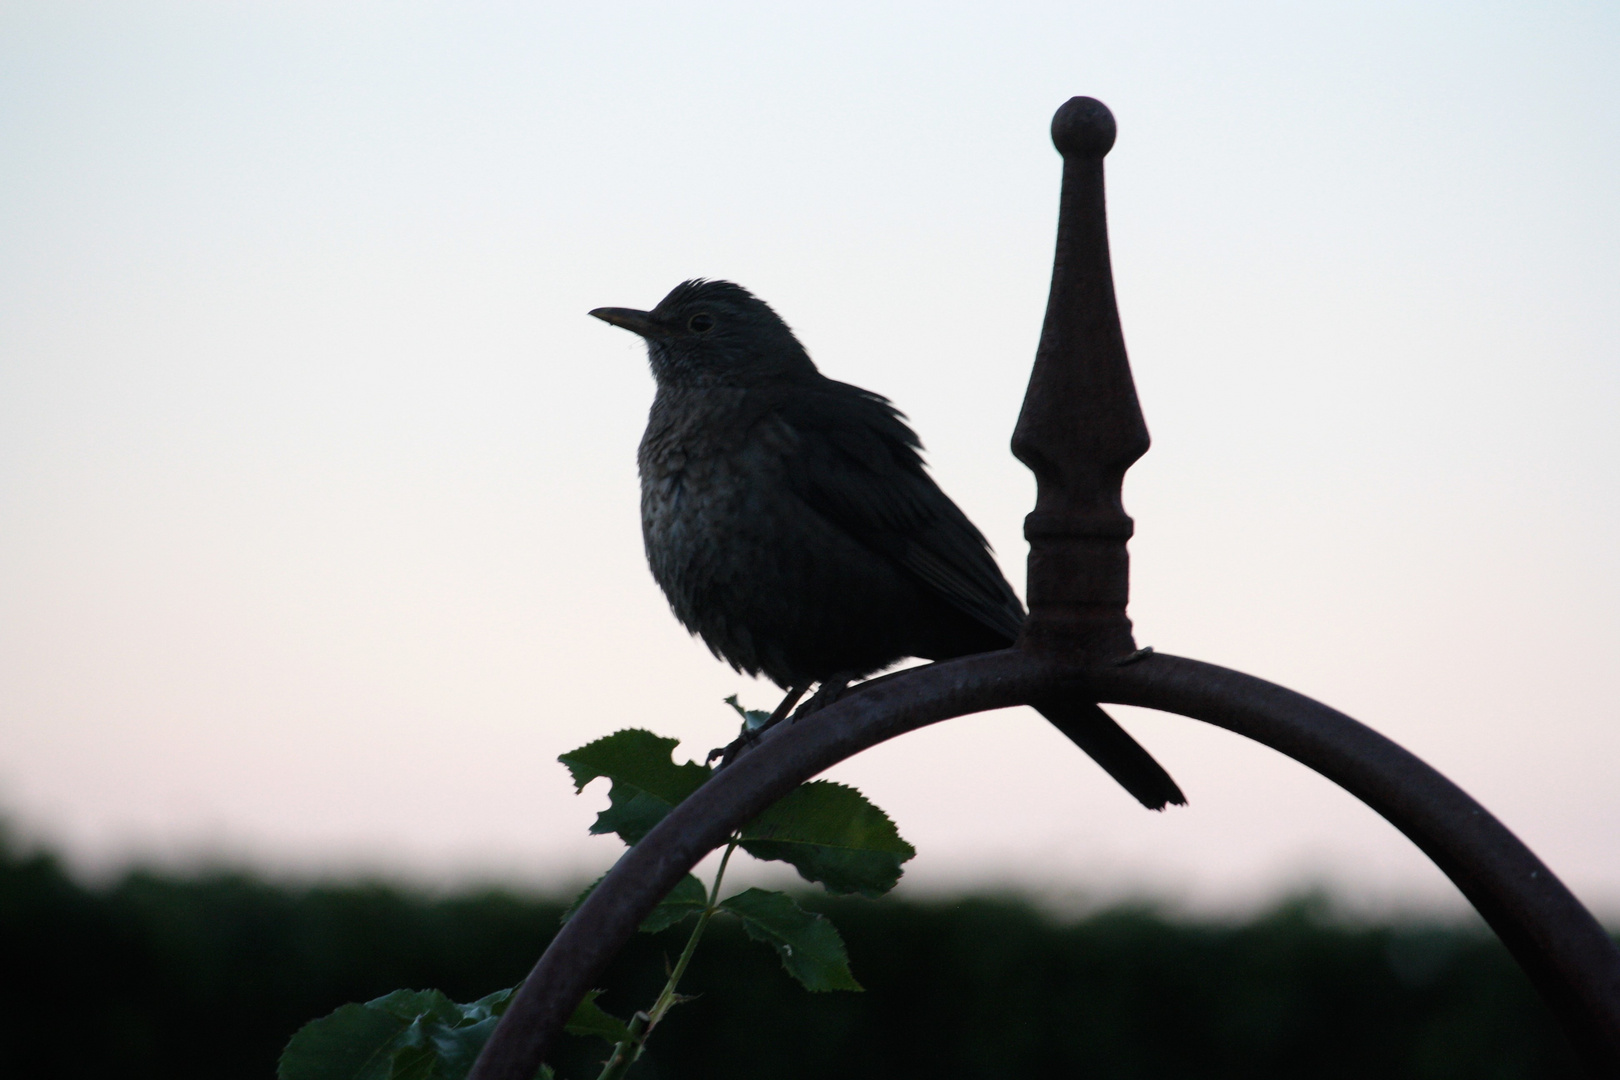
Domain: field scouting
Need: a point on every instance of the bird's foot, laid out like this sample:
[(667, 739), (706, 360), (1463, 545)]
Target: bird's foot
[(748, 736), (729, 751), (831, 689)]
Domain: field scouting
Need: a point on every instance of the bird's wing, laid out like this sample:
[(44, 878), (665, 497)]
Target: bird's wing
[(857, 463)]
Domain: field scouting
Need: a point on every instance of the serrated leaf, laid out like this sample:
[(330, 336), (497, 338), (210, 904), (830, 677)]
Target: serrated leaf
[(686, 899), (753, 719), (638, 758), (414, 1063), (589, 1018), (353, 1042), (831, 834), (647, 783), (459, 1045), (490, 1005), (809, 945), (429, 1005), (405, 1035), (458, 1048)]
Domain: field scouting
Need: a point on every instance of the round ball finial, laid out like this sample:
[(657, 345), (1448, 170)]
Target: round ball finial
[(1083, 126)]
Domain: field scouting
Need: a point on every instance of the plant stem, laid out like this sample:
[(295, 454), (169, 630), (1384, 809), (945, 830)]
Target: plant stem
[(641, 1026)]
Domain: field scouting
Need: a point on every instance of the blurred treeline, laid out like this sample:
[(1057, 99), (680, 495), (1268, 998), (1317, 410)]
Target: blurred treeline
[(207, 977)]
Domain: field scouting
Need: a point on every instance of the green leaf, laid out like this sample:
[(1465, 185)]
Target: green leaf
[(833, 835), (686, 899), (356, 1042), (647, 784), (810, 946), (458, 1046), (415, 1063), (753, 719), (590, 1019), (406, 1035), (637, 758)]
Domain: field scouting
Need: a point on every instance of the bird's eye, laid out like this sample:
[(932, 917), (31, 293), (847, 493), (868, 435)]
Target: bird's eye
[(700, 323)]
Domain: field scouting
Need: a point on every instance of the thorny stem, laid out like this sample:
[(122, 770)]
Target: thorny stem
[(641, 1026)]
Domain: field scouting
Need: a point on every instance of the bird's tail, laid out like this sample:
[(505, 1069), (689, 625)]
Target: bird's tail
[(1121, 756)]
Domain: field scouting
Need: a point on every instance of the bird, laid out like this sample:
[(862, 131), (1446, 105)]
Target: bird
[(793, 526)]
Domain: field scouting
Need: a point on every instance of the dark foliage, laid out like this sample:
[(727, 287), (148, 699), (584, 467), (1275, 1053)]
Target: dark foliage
[(158, 977)]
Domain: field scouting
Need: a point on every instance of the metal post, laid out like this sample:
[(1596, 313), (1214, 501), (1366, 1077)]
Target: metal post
[(1081, 426)]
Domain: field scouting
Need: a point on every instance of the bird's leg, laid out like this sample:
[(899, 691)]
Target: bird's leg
[(782, 710), (831, 689), (748, 735)]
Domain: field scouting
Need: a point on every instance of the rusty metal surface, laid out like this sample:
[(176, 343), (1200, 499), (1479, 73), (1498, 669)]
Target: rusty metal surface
[(1561, 946), (1081, 425), (1568, 956), (1080, 429)]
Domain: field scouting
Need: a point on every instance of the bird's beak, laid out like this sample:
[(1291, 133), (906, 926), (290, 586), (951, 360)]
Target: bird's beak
[(637, 322)]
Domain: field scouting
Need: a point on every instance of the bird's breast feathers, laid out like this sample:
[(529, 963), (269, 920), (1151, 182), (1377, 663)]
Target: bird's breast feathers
[(701, 491)]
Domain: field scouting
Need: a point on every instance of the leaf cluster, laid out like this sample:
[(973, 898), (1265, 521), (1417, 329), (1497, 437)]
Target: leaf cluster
[(830, 833), (406, 1035), (417, 1035)]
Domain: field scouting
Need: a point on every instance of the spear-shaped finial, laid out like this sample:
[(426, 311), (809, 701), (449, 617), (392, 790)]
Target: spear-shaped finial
[(1081, 426)]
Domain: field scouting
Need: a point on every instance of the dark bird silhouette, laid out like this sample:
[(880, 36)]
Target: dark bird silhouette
[(791, 523)]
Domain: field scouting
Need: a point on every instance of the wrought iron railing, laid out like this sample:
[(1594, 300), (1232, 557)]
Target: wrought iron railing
[(1080, 429)]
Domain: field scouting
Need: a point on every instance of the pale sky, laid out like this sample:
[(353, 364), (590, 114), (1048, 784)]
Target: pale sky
[(318, 513)]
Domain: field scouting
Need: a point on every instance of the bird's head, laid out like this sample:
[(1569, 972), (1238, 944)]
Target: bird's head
[(714, 332)]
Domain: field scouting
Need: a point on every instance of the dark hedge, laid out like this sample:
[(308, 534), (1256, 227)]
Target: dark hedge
[(208, 977)]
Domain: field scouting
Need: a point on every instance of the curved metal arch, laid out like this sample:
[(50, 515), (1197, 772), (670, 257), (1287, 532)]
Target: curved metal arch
[(1080, 429), (1566, 953)]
